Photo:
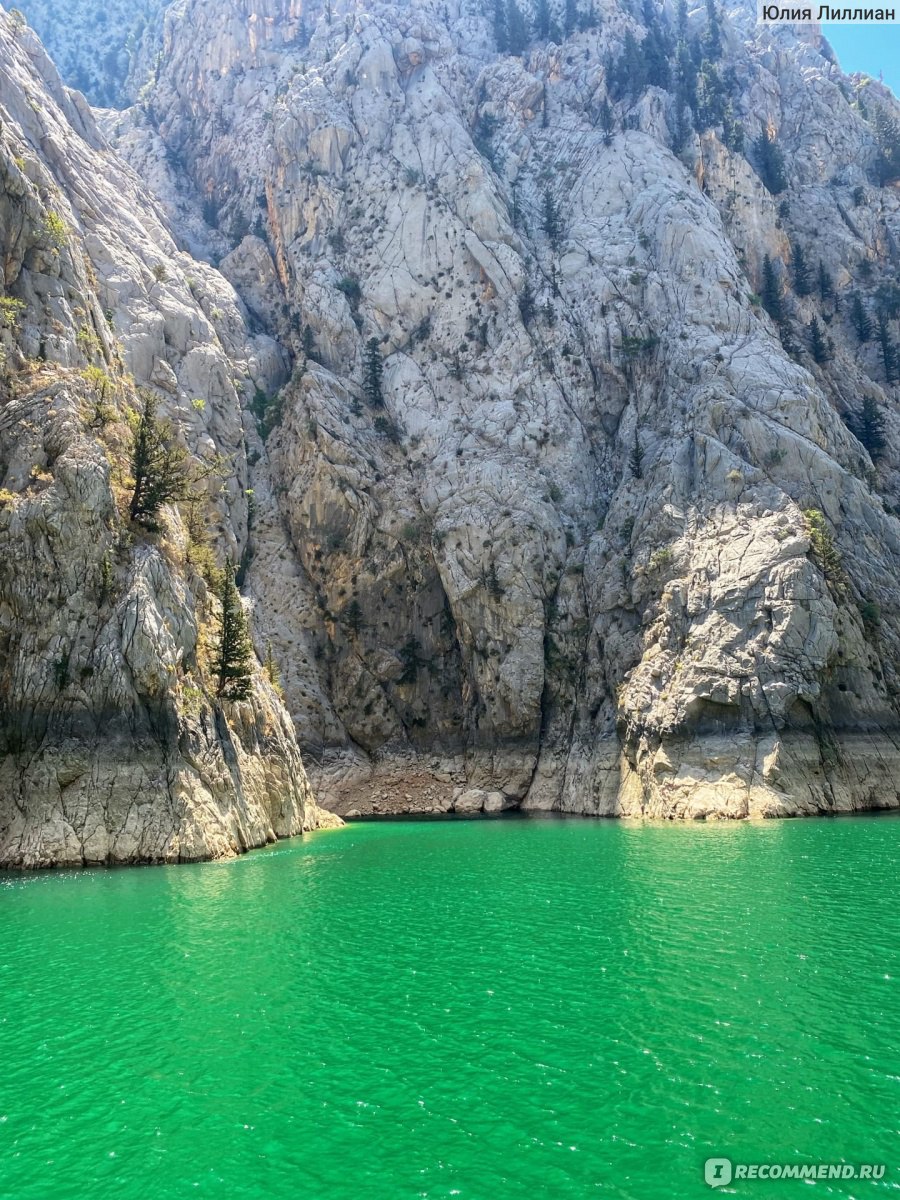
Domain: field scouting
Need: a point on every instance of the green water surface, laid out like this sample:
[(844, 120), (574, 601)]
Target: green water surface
[(482, 1009)]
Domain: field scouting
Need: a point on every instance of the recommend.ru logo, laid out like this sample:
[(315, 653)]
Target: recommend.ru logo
[(719, 1172)]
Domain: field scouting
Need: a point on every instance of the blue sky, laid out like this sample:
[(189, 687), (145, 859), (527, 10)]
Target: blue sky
[(869, 48)]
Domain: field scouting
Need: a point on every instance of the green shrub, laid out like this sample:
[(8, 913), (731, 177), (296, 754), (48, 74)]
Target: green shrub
[(351, 289), (11, 310), (267, 412), (55, 230), (871, 616)]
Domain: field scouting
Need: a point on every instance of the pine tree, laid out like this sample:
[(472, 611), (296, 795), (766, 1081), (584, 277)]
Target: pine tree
[(606, 122), (542, 20), (682, 124), (826, 283), (494, 586), (682, 20), (869, 427), (685, 74), (888, 348), (712, 43), (159, 466), (823, 548), (353, 616), (526, 304), (656, 50), (771, 292), (732, 131), (887, 298), (270, 666), (710, 109), (628, 75), (516, 29), (570, 17), (861, 320), (551, 221), (818, 344), (501, 29), (373, 371), (887, 138), (234, 666), (411, 658), (770, 162), (685, 86), (309, 343), (802, 274), (636, 459)]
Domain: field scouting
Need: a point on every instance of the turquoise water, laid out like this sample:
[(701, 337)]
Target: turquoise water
[(484, 1009)]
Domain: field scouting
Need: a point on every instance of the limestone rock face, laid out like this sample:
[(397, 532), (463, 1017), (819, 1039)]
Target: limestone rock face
[(549, 507), (113, 747)]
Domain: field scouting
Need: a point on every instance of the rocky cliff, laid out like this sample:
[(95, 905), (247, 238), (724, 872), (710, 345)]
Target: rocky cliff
[(108, 51), (579, 492), (113, 747)]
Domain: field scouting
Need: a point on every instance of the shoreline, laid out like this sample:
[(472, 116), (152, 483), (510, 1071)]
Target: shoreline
[(508, 815)]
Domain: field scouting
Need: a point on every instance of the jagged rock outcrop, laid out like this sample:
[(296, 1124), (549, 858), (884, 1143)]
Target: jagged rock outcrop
[(113, 746), (562, 500)]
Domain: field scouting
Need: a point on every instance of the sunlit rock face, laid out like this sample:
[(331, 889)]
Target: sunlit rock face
[(564, 494)]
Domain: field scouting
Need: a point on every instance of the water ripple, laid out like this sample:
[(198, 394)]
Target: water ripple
[(490, 1010)]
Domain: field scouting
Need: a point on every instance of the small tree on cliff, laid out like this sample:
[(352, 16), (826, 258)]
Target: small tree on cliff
[(542, 20), (501, 33), (551, 219), (712, 41), (526, 304), (606, 121), (516, 29), (732, 130), (826, 283), (771, 292), (887, 137), (270, 666), (803, 283), (770, 162), (234, 666), (862, 322), (159, 466), (869, 427), (889, 352), (373, 371), (818, 343), (636, 458)]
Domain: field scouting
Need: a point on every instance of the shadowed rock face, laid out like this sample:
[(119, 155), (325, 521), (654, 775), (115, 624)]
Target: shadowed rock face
[(549, 510), (112, 745)]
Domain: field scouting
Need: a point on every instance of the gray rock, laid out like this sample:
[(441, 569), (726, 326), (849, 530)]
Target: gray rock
[(470, 801)]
